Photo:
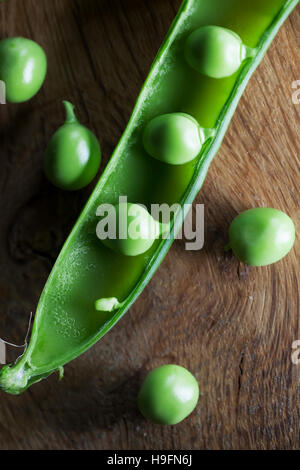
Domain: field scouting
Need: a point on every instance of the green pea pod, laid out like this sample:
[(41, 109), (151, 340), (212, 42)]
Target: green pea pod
[(88, 273)]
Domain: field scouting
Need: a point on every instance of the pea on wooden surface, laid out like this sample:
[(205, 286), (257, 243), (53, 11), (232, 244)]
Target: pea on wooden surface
[(23, 67), (168, 395), (261, 236), (73, 156)]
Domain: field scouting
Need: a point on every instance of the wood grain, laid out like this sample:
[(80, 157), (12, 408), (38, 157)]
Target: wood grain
[(231, 325)]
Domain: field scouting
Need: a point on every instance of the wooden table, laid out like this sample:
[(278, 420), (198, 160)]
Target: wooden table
[(231, 325)]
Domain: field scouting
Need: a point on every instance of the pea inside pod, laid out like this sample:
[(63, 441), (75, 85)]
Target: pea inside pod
[(261, 236), (23, 67), (174, 138), (135, 230), (216, 52), (73, 156)]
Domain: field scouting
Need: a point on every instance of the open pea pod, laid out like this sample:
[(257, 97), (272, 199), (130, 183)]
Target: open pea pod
[(194, 76)]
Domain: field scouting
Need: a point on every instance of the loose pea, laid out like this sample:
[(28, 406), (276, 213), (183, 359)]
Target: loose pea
[(261, 236), (23, 67), (136, 230), (216, 52), (173, 138), (168, 395), (73, 156)]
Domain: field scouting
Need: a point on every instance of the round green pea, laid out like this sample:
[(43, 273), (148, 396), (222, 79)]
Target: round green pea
[(173, 138), (136, 230), (214, 51), (23, 67), (73, 156), (168, 395), (261, 236)]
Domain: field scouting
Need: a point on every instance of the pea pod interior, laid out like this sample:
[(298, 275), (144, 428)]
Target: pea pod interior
[(66, 322)]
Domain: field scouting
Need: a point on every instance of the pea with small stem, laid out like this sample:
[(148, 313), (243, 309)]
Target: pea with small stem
[(73, 156), (135, 230), (216, 52), (175, 138)]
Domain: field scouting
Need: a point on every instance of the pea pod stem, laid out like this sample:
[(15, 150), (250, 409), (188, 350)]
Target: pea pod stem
[(164, 229), (208, 133), (20, 346), (247, 52)]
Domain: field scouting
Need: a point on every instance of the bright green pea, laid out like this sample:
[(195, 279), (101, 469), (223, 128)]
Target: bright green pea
[(261, 236), (23, 67), (168, 395), (73, 156), (136, 230), (174, 138), (216, 52)]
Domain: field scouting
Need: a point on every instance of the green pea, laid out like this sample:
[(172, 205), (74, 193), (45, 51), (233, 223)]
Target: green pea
[(261, 236), (23, 67), (73, 156), (174, 138), (168, 395), (136, 230), (216, 52)]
